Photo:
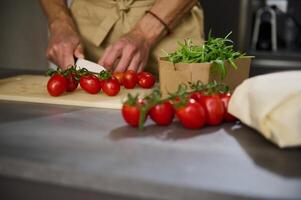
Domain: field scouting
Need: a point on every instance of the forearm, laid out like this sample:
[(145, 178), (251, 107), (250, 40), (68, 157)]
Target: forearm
[(57, 12), (64, 42), (170, 13)]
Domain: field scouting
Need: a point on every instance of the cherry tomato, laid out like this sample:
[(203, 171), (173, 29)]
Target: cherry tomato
[(57, 85), (214, 109), (192, 115), (162, 114), (118, 76), (72, 83), (131, 114), (130, 79), (225, 99), (110, 86), (146, 79), (90, 84), (197, 96)]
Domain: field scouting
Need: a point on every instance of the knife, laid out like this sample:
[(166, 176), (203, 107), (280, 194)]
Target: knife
[(90, 66)]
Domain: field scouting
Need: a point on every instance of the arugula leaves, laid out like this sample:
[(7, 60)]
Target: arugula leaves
[(215, 50)]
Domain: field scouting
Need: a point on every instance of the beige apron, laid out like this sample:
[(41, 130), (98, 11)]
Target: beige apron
[(102, 22)]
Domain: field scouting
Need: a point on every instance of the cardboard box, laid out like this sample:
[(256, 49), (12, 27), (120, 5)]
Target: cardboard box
[(172, 75)]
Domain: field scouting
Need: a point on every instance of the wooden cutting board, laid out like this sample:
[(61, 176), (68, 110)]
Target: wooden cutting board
[(32, 88)]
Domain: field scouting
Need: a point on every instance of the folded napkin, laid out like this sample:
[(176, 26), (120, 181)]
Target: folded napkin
[(271, 104)]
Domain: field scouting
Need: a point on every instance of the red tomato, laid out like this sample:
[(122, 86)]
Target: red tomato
[(197, 96), (129, 79), (192, 115), (57, 85), (131, 114), (225, 99), (140, 74), (118, 76), (162, 114), (90, 84), (110, 86), (146, 79), (214, 109), (72, 83)]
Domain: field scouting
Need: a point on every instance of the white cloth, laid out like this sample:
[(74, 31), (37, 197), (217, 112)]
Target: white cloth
[(271, 104)]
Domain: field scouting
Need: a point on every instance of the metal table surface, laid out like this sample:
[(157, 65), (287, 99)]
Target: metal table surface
[(93, 151)]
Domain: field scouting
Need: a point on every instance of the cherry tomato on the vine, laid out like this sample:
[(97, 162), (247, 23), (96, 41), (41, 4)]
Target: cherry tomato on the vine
[(214, 109), (131, 111), (129, 79), (72, 83), (57, 85), (192, 115), (225, 99), (90, 84), (118, 76), (146, 80), (110, 86), (162, 113), (197, 96), (131, 114)]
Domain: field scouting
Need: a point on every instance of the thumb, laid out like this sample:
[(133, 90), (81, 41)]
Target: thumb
[(79, 52)]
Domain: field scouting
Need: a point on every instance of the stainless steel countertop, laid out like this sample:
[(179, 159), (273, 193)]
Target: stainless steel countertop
[(93, 149)]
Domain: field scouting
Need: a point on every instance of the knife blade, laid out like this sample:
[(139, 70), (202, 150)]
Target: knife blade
[(90, 66)]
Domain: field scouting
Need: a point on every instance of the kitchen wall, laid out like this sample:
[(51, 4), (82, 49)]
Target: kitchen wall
[(23, 35)]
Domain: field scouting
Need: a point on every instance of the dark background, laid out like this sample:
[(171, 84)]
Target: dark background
[(238, 15)]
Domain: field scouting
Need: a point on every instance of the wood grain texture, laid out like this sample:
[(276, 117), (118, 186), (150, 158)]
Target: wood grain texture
[(32, 88)]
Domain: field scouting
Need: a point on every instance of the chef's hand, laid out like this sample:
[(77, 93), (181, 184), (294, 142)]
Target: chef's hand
[(131, 51), (64, 44)]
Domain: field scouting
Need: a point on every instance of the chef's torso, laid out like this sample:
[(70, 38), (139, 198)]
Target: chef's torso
[(102, 22)]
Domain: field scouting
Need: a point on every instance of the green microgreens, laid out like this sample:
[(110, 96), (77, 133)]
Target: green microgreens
[(215, 50)]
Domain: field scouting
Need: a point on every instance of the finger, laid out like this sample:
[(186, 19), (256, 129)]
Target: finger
[(105, 54), (53, 56), (50, 55), (135, 62), (111, 57), (67, 62), (66, 58), (79, 52), (61, 55), (127, 56), (141, 66)]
